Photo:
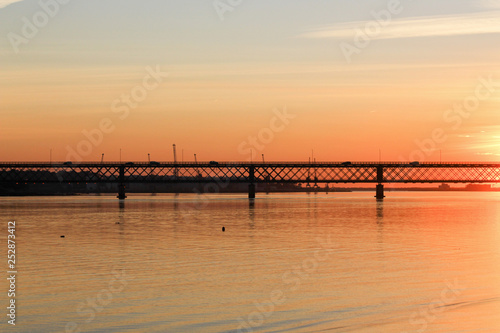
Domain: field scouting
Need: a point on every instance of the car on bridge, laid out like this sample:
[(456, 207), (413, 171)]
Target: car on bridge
[(415, 163), (213, 163), (346, 163)]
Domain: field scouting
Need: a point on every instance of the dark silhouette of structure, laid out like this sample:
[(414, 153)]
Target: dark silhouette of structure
[(221, 174)]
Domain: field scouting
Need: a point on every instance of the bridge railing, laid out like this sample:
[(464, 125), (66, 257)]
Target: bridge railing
[(262, 172), (246, 163)]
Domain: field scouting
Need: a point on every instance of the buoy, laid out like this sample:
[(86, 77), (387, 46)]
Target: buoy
[(223, 229), (62, 236)]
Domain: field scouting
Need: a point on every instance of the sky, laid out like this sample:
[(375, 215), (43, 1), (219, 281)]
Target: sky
[(232, 81)]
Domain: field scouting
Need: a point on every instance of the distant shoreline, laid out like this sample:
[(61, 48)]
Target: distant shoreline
[(304, 190)]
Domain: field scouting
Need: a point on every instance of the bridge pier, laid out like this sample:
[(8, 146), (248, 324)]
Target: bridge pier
[(380, 187), (380, 192), (251, 191), (121, 184), (121, 192), (251, 186)]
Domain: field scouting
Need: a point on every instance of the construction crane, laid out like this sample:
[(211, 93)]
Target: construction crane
[(266, 175), (176, 171), (197, 170)]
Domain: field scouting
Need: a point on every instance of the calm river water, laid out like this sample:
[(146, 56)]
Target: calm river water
[(342, 262)]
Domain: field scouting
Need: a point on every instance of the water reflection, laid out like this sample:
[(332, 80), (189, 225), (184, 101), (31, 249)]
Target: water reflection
[(389, 261), (380, 225), (380, 211), (251, 213)]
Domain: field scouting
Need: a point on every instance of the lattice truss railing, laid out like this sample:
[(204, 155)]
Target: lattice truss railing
[(271, 173), (423, 174), (68, 174), (132, 174), (187, 174), (322, 174)]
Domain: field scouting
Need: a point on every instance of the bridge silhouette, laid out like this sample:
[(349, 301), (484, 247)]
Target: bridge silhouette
[(220, 174)]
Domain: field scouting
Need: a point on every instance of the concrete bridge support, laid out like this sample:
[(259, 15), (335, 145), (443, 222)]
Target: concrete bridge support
[(121, 184), (251, 191), (380, 187), (380, 192), (251, 179)]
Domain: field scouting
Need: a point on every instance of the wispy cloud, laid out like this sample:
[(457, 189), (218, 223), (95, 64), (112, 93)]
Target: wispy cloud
[(465, 24), (490, 3), (483, 140), (5, 3)]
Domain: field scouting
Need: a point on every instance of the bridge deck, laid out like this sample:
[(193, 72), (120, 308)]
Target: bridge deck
[(246, 172), (278, 172)]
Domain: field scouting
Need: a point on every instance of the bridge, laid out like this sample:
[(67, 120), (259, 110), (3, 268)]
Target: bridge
[(220, 174)]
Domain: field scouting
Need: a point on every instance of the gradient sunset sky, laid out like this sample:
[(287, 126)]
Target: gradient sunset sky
[(425, 83)]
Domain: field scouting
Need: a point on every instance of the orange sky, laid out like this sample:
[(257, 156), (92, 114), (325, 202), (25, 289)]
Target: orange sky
[(226, 80)]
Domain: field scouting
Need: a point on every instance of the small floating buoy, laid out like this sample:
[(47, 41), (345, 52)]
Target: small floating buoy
[(62, 236), (223, 229)]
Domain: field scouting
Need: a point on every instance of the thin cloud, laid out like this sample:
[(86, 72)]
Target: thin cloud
[(5, 3), (490, 3), (431, 26)]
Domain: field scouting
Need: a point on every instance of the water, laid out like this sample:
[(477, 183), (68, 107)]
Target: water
[(342, 262)]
